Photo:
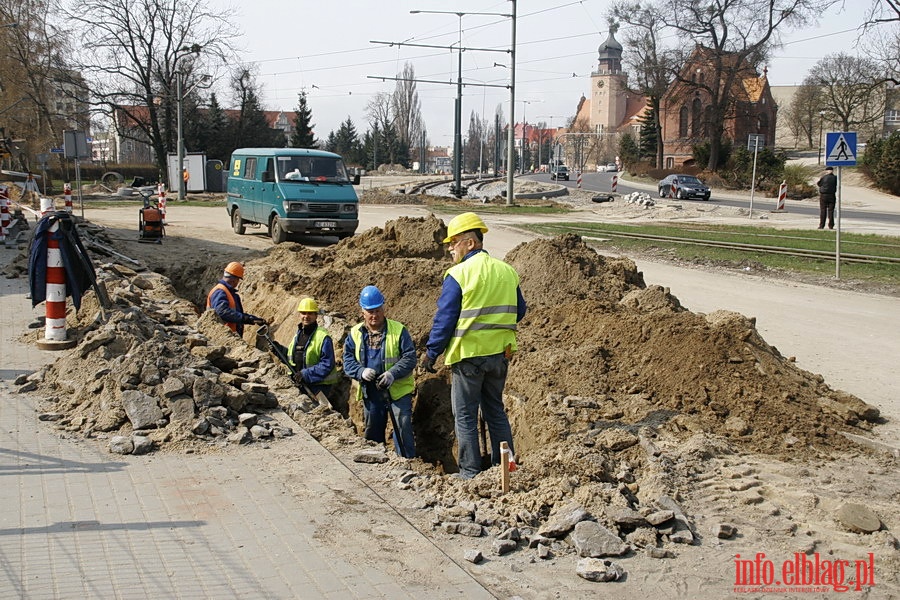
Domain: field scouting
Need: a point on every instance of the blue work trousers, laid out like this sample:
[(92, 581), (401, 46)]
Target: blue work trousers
[(478, 382), (375, 419)]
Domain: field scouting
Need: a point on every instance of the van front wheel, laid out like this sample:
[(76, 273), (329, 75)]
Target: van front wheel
[(276, 231), (237, 222)]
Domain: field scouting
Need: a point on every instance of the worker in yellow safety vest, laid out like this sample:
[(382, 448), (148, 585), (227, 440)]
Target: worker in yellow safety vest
[(379, 354), (311, 351), (475, 327)]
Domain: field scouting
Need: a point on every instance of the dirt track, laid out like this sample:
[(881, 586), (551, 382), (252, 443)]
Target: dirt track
[(779, 507)]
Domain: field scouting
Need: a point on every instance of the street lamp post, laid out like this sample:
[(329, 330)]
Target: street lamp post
[(821, 126), (525, 129), (179, 96), (512, 110)]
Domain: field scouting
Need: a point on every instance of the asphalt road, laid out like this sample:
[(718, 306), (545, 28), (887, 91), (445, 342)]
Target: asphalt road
[(602, 182)]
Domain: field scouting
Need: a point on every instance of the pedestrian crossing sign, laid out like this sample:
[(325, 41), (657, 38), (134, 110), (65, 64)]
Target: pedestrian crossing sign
[(840, 149)]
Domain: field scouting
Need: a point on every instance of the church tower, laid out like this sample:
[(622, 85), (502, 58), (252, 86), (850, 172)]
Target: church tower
[(608, 94)]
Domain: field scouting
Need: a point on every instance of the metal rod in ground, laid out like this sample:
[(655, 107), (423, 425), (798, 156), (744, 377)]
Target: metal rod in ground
[(504, 467), (390, 409)]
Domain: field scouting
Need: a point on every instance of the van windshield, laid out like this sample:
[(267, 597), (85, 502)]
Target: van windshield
[(321, 169)]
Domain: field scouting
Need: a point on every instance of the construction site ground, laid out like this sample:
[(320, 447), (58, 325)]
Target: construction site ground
[(740, 399)]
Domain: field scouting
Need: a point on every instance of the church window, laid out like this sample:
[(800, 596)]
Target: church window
[(696, 118), (683, 122)]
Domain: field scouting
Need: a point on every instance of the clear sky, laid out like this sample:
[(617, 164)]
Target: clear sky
[(326, 48)]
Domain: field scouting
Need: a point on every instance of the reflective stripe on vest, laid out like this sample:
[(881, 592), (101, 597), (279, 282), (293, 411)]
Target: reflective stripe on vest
[(391, 349), (231, 303), (314, 354), (487, 319)]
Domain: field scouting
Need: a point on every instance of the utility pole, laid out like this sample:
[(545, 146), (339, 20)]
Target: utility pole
[(510, 164)]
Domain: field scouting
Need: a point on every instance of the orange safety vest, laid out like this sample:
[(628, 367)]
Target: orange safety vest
[(231, 303)]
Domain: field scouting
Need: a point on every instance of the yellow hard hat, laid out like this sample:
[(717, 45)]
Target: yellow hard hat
[(235, 269), (464, 222), (308, 305)]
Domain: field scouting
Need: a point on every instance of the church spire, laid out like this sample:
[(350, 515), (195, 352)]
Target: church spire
[(610, 52)]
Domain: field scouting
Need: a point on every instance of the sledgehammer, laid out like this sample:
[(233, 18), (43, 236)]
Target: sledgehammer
[(321, 398)]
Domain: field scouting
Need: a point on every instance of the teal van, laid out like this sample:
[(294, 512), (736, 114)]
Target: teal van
[(291, 191)]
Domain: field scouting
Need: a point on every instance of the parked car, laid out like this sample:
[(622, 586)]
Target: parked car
[(683, 187), (607, 168), (559, 172)]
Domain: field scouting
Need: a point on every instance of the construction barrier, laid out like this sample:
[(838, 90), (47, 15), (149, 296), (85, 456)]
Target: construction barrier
[(578, 179), (4, 213), (67, 194), (674, 189), (161, 195), (55, 302), (615, 183), (782, 195)]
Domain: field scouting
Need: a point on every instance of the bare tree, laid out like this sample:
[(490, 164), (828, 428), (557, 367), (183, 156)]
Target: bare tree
[(734, 38), (407, 108), (380, 113), (132, 53), (647, 59), (802, 115), (853, 91), (31, 67)]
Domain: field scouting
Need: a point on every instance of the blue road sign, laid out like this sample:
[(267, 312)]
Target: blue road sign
[(840, 149), (56, 150)]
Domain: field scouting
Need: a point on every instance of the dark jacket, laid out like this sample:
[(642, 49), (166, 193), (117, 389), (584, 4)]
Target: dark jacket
[(80, 274), (828, 184)]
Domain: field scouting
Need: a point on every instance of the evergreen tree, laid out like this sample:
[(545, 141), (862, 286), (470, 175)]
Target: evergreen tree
[(330, 142), (346, 143), (251, 129), (648, 137), (215, 132), (628, 149), (303, 136)]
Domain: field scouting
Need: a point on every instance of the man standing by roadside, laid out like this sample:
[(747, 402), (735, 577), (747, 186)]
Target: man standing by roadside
[(224, 299), (380, 355), (827, 197), (477, 312)]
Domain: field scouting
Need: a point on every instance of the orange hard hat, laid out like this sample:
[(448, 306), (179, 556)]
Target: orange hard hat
[(235, 269)]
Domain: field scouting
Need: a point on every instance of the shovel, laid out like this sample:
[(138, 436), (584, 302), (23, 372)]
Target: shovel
[(321, 398)]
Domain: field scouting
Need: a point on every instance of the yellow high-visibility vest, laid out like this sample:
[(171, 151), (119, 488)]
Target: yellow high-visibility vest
[(487, 321), (400, 387)]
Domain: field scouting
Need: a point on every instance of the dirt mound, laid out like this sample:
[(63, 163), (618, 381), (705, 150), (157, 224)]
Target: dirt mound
[(616, 396)]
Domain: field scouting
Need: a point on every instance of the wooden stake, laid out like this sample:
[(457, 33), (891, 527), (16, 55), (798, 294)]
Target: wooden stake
[(504, 467)]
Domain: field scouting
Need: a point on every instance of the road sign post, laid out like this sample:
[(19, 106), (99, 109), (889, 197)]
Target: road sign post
[(754, 141), (840, 151)]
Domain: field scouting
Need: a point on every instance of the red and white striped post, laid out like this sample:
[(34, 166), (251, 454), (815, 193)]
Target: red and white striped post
[(67, 195), (578, 179), (161, 195), (782, 195), (672, 194), (55, 299), (615, 183), (4, 213)]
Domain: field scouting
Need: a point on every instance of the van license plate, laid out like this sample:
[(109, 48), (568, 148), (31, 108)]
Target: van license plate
[(326, 224)]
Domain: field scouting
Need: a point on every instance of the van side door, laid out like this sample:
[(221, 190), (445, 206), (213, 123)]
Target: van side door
[(269, 194)]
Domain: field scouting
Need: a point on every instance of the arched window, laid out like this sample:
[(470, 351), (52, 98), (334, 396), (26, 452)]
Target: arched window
[(670, 162), (683, 122), (762, 123), (696, 118)]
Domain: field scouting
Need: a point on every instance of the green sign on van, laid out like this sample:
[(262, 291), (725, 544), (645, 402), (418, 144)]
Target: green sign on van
[(292, 191)]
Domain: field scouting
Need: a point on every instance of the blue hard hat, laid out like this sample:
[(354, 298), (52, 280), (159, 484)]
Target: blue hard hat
[(371, 298)]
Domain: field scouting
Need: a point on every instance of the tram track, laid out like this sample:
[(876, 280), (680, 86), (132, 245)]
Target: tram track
[(848, 257)]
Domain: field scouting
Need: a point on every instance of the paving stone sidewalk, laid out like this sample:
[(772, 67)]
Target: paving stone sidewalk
[(78, 522)]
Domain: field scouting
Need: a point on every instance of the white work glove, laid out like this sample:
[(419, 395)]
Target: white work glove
[(368, 374), (386, 379)]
